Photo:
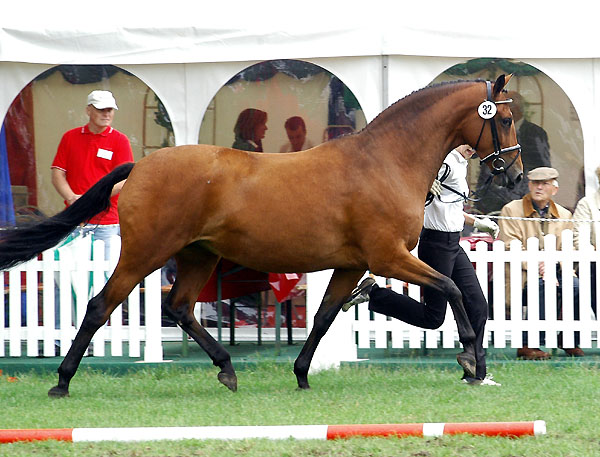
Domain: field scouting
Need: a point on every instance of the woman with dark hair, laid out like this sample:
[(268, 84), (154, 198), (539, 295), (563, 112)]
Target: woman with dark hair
[(250, 129)]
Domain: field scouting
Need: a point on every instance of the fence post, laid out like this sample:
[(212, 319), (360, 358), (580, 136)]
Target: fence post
[(49, 302), (153, 350), (568, 304), (585, 255), (31, 295), (14, 309), (65, 267), (98, 281), (499, 322), (116, 318)]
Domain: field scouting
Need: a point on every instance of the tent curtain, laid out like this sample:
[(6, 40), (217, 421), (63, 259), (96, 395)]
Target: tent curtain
[(264, 71), (507, 66), (20, 145), (82, 74)]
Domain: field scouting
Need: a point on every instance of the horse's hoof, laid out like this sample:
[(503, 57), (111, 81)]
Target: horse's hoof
[(303, 383), (228, 380), (58, 392), (467, 361)]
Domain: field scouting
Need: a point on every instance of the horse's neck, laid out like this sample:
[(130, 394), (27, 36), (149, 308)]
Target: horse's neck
[(419, 141)]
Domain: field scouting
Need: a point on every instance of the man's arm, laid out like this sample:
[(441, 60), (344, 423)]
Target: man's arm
[(509, 229), (582, 211), (117, 188), (59, 181)]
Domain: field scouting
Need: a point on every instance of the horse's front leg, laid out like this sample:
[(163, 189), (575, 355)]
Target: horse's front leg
[(407, 267), (341, 284)]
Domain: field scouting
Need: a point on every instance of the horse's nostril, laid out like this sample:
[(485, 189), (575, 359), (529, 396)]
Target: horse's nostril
[(519, 178)]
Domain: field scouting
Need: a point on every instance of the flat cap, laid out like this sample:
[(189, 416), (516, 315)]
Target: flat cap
[(542, 174)]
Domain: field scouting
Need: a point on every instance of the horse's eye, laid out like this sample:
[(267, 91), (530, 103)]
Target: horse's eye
[(507, 121)]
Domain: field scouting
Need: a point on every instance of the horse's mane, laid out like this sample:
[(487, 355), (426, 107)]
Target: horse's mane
[(419, 100)]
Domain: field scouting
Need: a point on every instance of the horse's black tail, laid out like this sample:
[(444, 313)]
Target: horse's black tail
[(21, 243)]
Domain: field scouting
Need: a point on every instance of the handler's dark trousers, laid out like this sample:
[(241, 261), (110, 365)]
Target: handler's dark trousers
[(441, 251)]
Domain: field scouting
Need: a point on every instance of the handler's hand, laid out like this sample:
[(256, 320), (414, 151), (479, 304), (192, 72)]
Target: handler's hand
[(487, 225), (436, 188)]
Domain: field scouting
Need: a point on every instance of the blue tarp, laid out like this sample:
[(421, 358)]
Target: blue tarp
[(7, 212)]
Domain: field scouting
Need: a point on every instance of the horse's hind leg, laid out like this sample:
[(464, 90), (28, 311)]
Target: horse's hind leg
[(194, 267), (341, 284), (97, 313)]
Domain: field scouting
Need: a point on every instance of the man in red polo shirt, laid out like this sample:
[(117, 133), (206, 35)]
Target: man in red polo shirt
[(85, 155)]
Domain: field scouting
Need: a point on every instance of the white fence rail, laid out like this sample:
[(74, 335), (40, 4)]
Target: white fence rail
[(360, 328), (70, 278)]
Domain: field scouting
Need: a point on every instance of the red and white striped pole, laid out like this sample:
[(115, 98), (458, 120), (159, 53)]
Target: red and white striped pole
[(329, 432)]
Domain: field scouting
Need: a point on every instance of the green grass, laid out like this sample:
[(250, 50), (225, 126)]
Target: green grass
[(566, 397)]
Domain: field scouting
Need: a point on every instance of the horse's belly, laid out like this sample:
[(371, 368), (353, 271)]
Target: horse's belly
[(291, 255)]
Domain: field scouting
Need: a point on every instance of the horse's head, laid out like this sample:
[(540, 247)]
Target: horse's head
[(492, 132)]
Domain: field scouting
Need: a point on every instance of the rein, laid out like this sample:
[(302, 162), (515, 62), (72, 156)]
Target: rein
[(487, 110), (474, 196)]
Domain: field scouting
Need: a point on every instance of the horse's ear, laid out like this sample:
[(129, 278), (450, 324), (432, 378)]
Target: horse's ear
[(501, 82)]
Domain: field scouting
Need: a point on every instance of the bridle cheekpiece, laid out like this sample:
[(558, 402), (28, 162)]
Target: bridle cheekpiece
[(487, 111)]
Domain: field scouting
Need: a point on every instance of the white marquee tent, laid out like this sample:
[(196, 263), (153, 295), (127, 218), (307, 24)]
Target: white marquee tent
[(382, 50), (185, 51)]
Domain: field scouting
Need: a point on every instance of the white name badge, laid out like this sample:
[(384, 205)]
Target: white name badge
[(105, 154)]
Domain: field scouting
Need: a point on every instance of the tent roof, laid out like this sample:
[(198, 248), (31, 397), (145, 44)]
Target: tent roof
[(179, 31)]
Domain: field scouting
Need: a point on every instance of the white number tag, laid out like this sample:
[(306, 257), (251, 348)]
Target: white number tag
[(487, 110)]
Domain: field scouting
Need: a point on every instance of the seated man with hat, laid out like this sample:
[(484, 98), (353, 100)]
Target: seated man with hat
[(538, 203)]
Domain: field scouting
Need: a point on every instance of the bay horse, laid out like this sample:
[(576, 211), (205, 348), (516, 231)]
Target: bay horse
[(351, 204)]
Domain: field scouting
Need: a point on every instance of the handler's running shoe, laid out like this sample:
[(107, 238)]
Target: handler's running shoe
[(488, 381), (360, 294)]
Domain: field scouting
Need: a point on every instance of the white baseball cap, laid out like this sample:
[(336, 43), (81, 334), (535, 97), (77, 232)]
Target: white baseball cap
[(102, 99)]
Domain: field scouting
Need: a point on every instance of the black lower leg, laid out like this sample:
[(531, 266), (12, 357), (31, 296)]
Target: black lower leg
[(322, 322), (92, 321), (217, 353)]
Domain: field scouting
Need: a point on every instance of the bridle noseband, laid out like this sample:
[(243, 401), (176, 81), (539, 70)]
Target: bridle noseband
[(487, 111)]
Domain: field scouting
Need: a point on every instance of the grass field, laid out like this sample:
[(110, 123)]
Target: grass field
[(566, 397)]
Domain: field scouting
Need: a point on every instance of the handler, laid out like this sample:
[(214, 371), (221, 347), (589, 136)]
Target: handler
[(439, 248)]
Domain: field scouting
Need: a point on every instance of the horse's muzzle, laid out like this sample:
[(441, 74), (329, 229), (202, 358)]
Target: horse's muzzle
[(514, 177), (508, 180)]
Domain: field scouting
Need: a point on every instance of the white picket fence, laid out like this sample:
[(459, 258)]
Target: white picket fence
[(79, 278), (362, 329), (68, 276)]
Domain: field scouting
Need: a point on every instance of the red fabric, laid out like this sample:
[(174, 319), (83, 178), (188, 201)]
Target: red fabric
[(236, 281), (87, 157), (20, 144), (283, 284)]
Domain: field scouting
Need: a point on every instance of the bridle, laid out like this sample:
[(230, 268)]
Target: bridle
[(487, 111)]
